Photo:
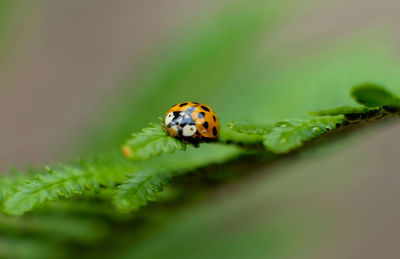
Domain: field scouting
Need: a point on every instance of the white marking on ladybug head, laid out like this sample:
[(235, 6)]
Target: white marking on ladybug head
[(189, 130), (169, 118)]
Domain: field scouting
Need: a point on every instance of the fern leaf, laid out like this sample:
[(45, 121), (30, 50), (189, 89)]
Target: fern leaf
[(63, 181), (145, 185), (284, 136), (230, 135), (140, 188), (372, 95), (6, 187), (345, 110), (152, 141), (15, 177), (250, 128), (291, 134)]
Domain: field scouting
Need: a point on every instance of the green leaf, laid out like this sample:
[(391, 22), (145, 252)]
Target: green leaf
[(152, 141), (6, 187), (229, 135), (372, 95), (145, 185), (292, 134), (250, 128), (283, 136), (343, 110), (65, 181), (15, 177), (140, 188)]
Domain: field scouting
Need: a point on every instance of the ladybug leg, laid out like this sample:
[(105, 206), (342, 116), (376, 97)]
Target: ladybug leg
[(185, 141), (195, 142), (192, 141), (196, 145), (165, 127), (210, 140)]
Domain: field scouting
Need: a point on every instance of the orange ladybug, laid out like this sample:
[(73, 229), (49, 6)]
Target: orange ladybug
[(192, 122)]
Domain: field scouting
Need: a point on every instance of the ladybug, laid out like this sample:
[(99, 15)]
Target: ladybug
[(192, 123)]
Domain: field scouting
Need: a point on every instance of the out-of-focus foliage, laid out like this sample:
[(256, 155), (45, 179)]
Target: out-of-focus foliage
[(275, 86), (375, 96), (211, 62)]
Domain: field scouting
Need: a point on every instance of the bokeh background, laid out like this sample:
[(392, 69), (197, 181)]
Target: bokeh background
[(77, 77)]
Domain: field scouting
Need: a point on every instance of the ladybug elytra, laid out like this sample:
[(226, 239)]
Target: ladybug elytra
[(192, 122)]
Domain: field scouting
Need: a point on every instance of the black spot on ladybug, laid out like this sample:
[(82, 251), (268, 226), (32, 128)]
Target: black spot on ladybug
[(177, 114), (182, 104), (190, 109), (215, 119), (205, 108), (201, 115), (215, 132), (205, 125), (195, 103)]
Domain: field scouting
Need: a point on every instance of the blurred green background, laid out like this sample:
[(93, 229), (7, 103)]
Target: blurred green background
[(78, 77)]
